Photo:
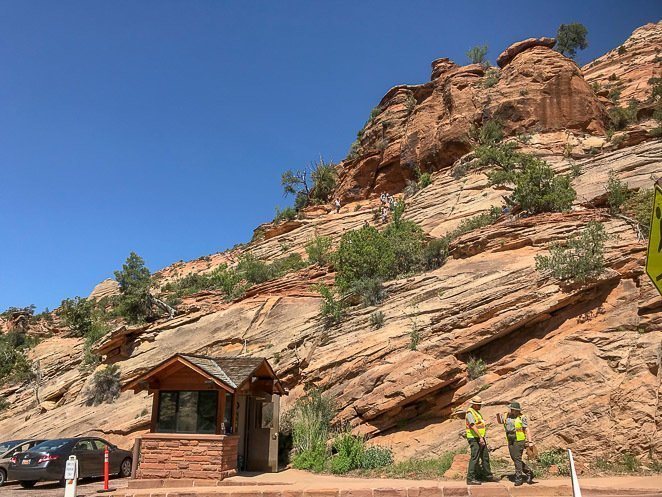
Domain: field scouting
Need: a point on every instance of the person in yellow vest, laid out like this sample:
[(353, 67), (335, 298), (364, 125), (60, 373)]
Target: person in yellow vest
[(479, 463), (518, 436)]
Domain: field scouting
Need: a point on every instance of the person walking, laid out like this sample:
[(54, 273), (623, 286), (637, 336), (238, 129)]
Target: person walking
[(518, 436), (337, 204), (479, 462)]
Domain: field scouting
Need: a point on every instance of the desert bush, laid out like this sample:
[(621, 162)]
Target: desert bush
[(134, 300), (228, 280), (435, 253), (638, 206), (363, 253), (617, 192), (406, 242), (332, 308), (476, 55), (310, 186), (287, 214), (539, 189), (476, 367), (478, 221), (105, 387), (491, 77), (288, 264), (4, 404), (656, 88), (354, 149), (620, 117), (570, 38), (375, 457), (377, 319), (15, 367), (371, 290), (432, 468), (319, 250), (311, 421), (253, 269), (581, 258), (556, 457), (349, 452), (424, 180), (489, 133), (83, 317)]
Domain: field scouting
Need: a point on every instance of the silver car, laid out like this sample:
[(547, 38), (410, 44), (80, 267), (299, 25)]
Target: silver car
[(8, 450)]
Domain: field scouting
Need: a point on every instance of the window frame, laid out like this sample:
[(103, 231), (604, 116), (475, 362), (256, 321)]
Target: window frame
[(176, 393)]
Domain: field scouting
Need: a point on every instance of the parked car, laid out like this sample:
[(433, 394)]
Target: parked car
[(7, 451), (46, 461)]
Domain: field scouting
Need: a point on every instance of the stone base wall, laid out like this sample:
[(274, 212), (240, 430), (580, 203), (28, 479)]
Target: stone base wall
[(197, 457)]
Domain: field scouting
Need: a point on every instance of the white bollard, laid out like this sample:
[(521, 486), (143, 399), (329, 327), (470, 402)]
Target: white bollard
[(576, 491), (71, 477)]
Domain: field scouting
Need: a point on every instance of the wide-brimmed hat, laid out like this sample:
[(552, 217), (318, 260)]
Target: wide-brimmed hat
[(515, 406), (476, 400)]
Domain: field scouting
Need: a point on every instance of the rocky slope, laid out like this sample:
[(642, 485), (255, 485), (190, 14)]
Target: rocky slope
[(572, 355)]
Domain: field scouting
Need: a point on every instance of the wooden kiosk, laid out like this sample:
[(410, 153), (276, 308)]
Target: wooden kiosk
[(211, 417)]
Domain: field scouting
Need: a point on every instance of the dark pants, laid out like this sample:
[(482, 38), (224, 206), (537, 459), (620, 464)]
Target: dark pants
[(479, 464), (516, 450)]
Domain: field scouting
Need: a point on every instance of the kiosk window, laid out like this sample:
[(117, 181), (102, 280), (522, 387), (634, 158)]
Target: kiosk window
[(187, 412)]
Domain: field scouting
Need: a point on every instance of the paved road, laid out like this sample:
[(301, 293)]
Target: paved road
[(86, 487)]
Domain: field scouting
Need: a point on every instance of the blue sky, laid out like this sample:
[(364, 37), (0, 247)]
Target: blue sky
[(162, 127)]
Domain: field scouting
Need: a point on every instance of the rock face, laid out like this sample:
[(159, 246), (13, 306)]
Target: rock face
[(427, 127), (517, 48), (629, 67), (569, 354), (107, 288)]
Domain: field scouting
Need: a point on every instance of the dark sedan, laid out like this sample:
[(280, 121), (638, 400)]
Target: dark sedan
[(46, 461), (7, 451)]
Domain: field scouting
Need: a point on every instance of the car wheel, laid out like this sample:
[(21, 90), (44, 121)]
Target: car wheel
[(28, 483), (3, 477), (125, 468)]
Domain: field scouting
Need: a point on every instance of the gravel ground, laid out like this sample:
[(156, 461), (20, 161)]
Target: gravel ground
[(86, 487)]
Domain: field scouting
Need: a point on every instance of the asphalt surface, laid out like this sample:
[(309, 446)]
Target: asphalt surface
[(86, 487)]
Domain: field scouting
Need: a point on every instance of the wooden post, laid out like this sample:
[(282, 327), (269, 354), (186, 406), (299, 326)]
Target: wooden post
[(220, 411), (136, 457), (155, 411)]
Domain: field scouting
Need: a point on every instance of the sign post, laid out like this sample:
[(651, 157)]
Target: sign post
[(576, 491), (654, 256), (71, 476)]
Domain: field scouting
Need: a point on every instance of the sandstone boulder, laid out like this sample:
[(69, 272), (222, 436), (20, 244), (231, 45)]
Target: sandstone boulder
[(517, 48)]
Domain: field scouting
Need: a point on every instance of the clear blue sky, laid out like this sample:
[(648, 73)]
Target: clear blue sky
[(163, 126)]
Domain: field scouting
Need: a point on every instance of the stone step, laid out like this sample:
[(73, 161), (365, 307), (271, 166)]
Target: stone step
[(247, 489)]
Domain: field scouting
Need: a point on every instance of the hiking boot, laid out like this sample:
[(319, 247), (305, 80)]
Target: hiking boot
[(492, 478), (519, 483), (529, 478), (473, 482)]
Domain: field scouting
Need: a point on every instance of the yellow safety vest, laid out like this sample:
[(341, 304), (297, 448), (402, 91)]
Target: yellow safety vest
[(520, 436), (479, 424)]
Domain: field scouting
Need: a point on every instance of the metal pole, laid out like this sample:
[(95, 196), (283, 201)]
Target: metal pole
[(576, 491)]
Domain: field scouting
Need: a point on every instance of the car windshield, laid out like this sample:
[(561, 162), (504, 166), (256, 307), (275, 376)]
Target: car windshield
[(50, 445), (5, 446)]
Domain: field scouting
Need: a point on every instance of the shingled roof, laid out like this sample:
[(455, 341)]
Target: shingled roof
[(230, 371)]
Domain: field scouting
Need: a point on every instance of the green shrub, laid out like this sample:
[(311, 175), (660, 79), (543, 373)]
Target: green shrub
[(406, 242), (134, 301), (310, 186), (656, 88), (287, 214), (617, 193), (81, 316), (614, 96), (4, 404), (490, 132), (570, 38), (476, 222), (371, 290), (363, 253), (14, 364), (435, 253), (377, 319), (557, 457), (354, 149), (539, 189), (229, 281), (288, 264), (375, 457), (638, 206), (105, 387), (319, 250), (476, 55), (349, 453), (622, 50), (621, 117), (581, 258), (476, 367), (424, 180), (253, 269), (332, 308), (311, 421), (491, 77), (432, 468)]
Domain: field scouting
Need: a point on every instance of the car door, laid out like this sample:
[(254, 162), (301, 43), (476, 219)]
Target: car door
[(84, 450), (99, 455)]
